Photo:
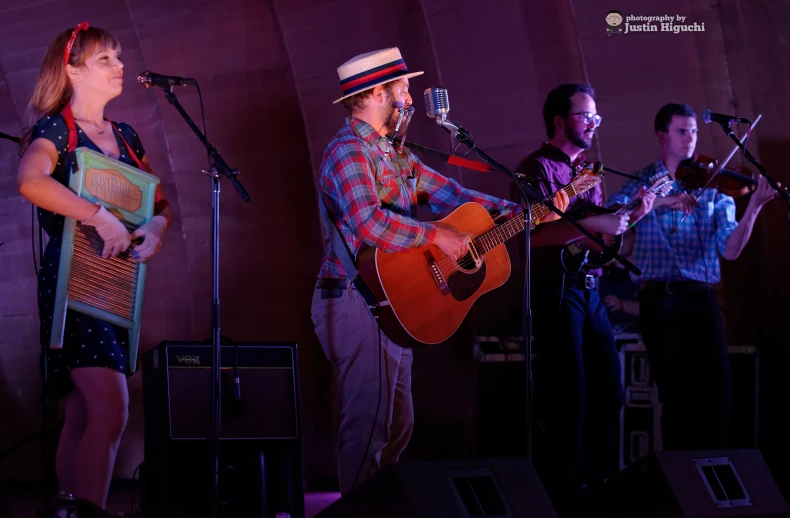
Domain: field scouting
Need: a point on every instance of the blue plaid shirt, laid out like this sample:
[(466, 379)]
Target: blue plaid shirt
[(690, 252)]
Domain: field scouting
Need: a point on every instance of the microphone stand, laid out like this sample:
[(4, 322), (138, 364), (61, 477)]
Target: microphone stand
[(725, 126), (529, 194), (218, 168)]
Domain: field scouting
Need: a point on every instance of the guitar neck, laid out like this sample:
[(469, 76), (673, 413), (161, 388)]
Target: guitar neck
[(498, 235)]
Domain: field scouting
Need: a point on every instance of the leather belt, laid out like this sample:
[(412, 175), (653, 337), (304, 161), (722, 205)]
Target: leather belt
[(673, 286), (584, 282), (331, 284), (332, 288)]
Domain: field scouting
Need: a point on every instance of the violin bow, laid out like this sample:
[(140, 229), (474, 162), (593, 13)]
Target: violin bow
[(724, 163), (732, 153)]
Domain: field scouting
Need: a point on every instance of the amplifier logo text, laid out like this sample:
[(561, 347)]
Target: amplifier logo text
[(188, 359)]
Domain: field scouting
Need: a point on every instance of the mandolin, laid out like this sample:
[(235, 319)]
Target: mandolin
[(574, 254)]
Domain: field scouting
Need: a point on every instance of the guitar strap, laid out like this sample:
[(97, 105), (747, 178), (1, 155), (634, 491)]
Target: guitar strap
[(340, 247)]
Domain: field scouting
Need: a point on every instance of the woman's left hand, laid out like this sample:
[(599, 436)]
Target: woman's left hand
[(152, 234)]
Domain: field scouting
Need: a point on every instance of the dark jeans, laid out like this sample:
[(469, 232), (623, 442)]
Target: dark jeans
[(685, 339), (578, 390)]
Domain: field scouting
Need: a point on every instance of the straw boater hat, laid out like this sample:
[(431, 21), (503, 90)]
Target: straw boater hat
[(372, 69)]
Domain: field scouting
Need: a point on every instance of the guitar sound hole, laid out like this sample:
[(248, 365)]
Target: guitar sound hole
[(467, 263), (463, 285)]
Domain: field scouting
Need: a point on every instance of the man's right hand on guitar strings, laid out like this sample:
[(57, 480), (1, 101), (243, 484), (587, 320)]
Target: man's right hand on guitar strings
[(453, 244)]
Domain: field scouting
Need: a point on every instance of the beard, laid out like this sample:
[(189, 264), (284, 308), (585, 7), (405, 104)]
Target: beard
[(578, 140), (389, 115)]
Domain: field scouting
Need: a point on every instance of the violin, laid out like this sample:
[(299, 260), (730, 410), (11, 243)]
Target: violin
[(701, 171)]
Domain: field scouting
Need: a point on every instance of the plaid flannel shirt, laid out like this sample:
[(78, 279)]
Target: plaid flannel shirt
[(690, 252), (371, 192)]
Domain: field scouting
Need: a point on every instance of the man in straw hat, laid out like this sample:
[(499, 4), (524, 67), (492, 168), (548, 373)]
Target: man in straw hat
[(370, 189)]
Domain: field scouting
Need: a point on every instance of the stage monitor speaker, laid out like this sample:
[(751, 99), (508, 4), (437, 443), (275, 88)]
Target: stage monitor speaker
[(490, 488), (693, 484), (260, 461)]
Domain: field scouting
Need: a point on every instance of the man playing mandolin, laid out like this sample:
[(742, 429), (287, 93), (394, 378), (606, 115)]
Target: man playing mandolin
[(578, 394), (677, 246)]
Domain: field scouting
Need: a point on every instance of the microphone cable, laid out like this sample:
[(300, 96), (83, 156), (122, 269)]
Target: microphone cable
[(375, 415)]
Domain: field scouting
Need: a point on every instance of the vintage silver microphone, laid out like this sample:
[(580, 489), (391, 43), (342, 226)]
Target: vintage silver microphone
[(437, 104)]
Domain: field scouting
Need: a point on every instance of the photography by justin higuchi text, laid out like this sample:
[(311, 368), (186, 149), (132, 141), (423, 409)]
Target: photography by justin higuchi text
[(616, 23)]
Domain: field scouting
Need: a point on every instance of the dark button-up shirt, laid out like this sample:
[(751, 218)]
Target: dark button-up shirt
[(548, 169)]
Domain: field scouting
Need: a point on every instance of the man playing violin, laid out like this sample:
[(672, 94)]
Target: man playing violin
[(677, 247), (578, 393)]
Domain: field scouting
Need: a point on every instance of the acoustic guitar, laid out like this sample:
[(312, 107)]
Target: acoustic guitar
[(424, 295), (575, 252)]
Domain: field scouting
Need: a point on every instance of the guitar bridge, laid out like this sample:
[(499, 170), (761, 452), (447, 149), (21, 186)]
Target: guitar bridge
[(436, 273)]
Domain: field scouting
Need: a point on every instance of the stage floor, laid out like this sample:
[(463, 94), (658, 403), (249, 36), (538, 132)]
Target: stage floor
[(24, 502)]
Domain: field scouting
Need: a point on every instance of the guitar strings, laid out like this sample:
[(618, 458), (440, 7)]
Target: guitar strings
[(496, 236), (481, 244), (489, 240)]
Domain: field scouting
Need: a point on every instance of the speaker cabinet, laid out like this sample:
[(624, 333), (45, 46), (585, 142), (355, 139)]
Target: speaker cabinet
[(698, 484), (260, 466), (491, 488)]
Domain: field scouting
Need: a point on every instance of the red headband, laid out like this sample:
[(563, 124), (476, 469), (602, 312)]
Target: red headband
[(81, 27)]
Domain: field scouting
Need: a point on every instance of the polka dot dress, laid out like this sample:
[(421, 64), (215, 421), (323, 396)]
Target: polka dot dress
[(87, 341)]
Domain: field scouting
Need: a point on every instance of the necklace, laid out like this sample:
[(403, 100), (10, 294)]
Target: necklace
[(94, 125)]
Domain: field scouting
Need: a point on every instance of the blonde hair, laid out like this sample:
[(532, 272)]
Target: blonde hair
[(53, 89)]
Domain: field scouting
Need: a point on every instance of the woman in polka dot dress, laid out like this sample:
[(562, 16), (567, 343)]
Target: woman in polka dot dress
[(82, 71)]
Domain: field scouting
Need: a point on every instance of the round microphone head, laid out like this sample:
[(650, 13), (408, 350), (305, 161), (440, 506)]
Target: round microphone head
[(437, 103), (706, 116)]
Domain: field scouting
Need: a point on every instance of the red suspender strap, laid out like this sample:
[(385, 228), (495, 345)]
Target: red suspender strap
[(129, 149), (72, 126), (68, 116), (159, 196)]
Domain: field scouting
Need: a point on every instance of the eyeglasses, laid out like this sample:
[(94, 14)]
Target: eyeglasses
[(589, 117)]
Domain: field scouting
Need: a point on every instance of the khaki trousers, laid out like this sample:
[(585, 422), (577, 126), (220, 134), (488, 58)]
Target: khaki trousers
[(349, 336)]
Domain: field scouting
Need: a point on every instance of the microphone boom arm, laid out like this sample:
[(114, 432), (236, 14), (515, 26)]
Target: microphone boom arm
[(742, 146), (217, 161), (529, 191)]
